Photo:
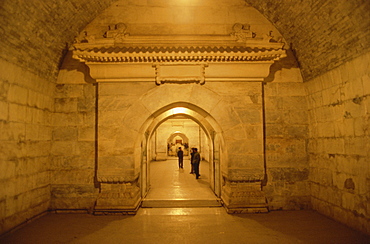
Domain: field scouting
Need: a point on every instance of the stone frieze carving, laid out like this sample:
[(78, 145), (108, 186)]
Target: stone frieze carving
[(193, 54), (116, 32), (85, 38), (242, 33), (179, 73)]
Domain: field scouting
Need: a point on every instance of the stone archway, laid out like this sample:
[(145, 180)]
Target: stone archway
[(122, 128), (205, 121), (221, 87)]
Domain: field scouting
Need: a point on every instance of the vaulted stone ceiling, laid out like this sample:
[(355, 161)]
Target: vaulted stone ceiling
[(322, 33)]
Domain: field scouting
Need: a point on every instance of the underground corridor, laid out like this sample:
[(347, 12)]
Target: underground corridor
[(96, 97)]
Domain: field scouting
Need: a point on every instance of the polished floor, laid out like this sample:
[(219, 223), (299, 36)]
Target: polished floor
[(188, 224), (171, 186)]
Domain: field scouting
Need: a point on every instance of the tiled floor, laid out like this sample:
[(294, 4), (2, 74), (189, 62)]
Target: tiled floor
[(191, 225)]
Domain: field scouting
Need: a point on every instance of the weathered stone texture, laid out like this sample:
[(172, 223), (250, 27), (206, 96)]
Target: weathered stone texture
[(286, 133), (73, 197), (73, 148), (339, 148), (25, 142), (35, 41), (323, 34)]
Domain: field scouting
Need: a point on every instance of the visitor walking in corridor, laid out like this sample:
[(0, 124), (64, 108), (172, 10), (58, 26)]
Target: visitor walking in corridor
[(180, 154), (196, 162)]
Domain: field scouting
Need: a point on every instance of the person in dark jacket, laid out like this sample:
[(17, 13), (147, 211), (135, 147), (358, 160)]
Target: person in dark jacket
[(196, 162), (180, 154), (191, 161)]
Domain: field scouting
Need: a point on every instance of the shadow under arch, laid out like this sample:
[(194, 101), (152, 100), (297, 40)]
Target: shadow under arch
[(207, 123)]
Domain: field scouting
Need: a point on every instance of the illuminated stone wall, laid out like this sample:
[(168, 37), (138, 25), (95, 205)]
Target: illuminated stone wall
[(339, 143), (73, 154), (26, 107)]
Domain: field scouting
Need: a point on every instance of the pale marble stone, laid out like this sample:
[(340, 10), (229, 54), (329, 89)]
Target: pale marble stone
[(252, 116)]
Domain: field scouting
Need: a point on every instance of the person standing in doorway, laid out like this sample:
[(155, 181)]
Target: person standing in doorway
[(196, 162), (191, 161), (180, 154)]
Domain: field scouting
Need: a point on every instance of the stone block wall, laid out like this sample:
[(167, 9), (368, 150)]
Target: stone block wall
[(339, 144), (286, 132), (26, 106), (72, 166), (33, 43)]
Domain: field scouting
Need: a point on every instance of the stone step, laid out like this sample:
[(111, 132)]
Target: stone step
[(180, 203)]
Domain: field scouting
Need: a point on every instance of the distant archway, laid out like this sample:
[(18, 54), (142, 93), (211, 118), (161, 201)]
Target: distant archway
[(171, 142)]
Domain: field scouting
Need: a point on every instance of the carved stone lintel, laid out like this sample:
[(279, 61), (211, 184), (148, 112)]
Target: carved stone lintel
[(180, 73)]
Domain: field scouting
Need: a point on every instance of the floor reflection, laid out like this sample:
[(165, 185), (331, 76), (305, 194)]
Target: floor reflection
[(168, 182)]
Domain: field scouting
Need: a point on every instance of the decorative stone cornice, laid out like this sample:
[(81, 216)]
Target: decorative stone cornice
[(117, 56), (198, 54)]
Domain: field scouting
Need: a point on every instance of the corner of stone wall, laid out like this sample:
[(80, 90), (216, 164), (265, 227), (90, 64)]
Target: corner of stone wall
[(286, 135)]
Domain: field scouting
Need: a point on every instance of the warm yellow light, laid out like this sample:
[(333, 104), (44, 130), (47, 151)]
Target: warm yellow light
[(179, 110)]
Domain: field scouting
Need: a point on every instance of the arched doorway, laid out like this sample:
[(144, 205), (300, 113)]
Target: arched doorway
[(207, 132)]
